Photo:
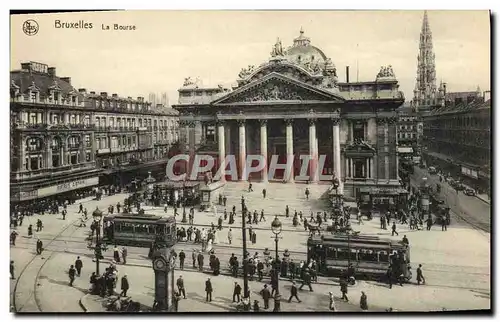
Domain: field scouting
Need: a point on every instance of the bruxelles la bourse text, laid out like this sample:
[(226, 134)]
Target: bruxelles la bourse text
[(81, 24)]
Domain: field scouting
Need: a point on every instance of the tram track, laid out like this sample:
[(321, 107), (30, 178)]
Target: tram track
[(18, 307)]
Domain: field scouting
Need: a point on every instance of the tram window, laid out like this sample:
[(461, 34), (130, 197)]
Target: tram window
[(367, 255), (141, 229), (342, 254), (354, 254), (330, 252), (126, 228), (167, 232), (383, 256), (160, 229)]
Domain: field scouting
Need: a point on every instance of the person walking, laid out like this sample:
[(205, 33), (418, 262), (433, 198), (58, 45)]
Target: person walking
[(182, 257), (332, 306), (343, 289), (124, 286), (12, 276), (264, 193), (363, 302), (180, 286), (71, 274), (236, 292), (230, 236), (124, 255), (306, 280), (78, 266), (208, 290), (193, 257), (293, 293), (266, 295), (394, 229), (420, 275), (39, 246), (444, 226)]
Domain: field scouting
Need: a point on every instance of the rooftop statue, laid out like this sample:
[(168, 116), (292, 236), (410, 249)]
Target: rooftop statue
[(386, 72), (188, 81), (245, 72), (277, 49)]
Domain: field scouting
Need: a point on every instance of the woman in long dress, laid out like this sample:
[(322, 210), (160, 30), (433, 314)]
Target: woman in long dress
[(116, 254), (216, 238)]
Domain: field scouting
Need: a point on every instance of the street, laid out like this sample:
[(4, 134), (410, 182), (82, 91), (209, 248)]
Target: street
[(456, 263)]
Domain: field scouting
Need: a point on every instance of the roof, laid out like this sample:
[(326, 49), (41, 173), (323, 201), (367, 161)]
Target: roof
[(461, 107), (25, 79)]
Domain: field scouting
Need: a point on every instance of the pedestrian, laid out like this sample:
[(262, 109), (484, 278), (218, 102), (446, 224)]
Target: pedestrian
[(306, 280), (293, 293), (287, 211), (81, 209), (332, 306), (405, 241), (78, 265), (307, 193), (394, 229), (343, 289), (250, 187), (39, 246), (208, 290), (363, 302), (116, 254), (230, 236), (236, 292), (193, 257), (30, 230), (260, 270), (266, 295), (12, 270), (71, 274), (200, 261), (180, 286), (444, 227), (13, 236), (420, 275), (124, 286), (182, 257), (124, 255), (264, 193)]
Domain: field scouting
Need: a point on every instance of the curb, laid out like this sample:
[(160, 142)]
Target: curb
[(483, 200), (82, 305)]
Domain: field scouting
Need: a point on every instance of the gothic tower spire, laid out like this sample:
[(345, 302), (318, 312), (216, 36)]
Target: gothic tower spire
[(424, 93)]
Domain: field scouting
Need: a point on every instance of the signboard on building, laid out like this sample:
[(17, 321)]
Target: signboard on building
[(68, 186), (39, 67), (469, 172)]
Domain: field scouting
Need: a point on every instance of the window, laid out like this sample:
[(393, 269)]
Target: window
[(98, 121), (56, 96), (86, 120), (140, 122), (55, 118), (210, 134), (73, 119), (98, 143), (88, 144), (73, 99), (103, 120), (33, 118), (87, 157), (34, 144), (112, 122), (358, 131), (74, 158), (33, 96)]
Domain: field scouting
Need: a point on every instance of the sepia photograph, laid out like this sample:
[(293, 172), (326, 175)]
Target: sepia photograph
[(291, 161)]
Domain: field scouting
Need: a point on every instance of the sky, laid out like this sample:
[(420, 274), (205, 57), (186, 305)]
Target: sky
[(168, 46)]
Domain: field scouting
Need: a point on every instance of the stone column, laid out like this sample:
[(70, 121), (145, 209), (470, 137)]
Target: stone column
[(48, 153), (371, 168), (93, 147), (368, 168), (313, 163), (336, 154), (81, 159), (351, 167), (222, 149), (347, 171), (289, 150), (62, 154), (192, 146), (242, 150), (263, 148), (22, 154)]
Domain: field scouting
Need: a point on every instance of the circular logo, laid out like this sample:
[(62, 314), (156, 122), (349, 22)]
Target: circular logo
[(30, 27)]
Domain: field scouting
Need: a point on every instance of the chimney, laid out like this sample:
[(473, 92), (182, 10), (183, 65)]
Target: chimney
[(52, 71), (93, 93), (26, 66), (347, 74), (66, 79), (82, 90), (115, 95), (487, 96), (129, 98), (104, 94), (140, 99)]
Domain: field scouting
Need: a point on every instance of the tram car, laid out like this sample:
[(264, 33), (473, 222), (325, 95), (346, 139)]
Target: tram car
[(369, 255), (139, 229)]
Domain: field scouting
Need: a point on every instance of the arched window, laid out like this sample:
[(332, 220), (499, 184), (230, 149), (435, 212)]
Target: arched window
[(34, 144)]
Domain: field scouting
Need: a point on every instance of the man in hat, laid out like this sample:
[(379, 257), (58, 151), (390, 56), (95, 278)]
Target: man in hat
[(208, 290), (237, 292), (124, 285), (293, 293), (266, 295), (180, 286)]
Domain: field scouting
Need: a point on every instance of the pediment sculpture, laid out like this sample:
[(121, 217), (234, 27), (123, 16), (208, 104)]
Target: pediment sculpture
[(188, 81)]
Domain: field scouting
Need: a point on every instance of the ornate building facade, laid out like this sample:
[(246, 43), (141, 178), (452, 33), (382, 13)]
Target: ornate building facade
[(457, 137), (63, 139), (409, 133), (293, 105)]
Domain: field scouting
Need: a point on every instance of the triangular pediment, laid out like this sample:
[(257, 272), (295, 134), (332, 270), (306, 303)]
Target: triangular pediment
[(359, 147), (274, 88)]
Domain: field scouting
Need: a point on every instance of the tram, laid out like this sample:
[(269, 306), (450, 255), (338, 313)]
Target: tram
[(370, 256), (139, 230)]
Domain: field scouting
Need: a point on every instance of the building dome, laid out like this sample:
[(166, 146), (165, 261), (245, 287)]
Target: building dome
[(302, 52)]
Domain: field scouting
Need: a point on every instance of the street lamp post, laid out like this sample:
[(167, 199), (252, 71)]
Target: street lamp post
[(99, 247), (336, 183), (246, 293), (276, 228), (184, 219)]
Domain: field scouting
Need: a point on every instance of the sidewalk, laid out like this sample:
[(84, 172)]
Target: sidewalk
[(484, 197)]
